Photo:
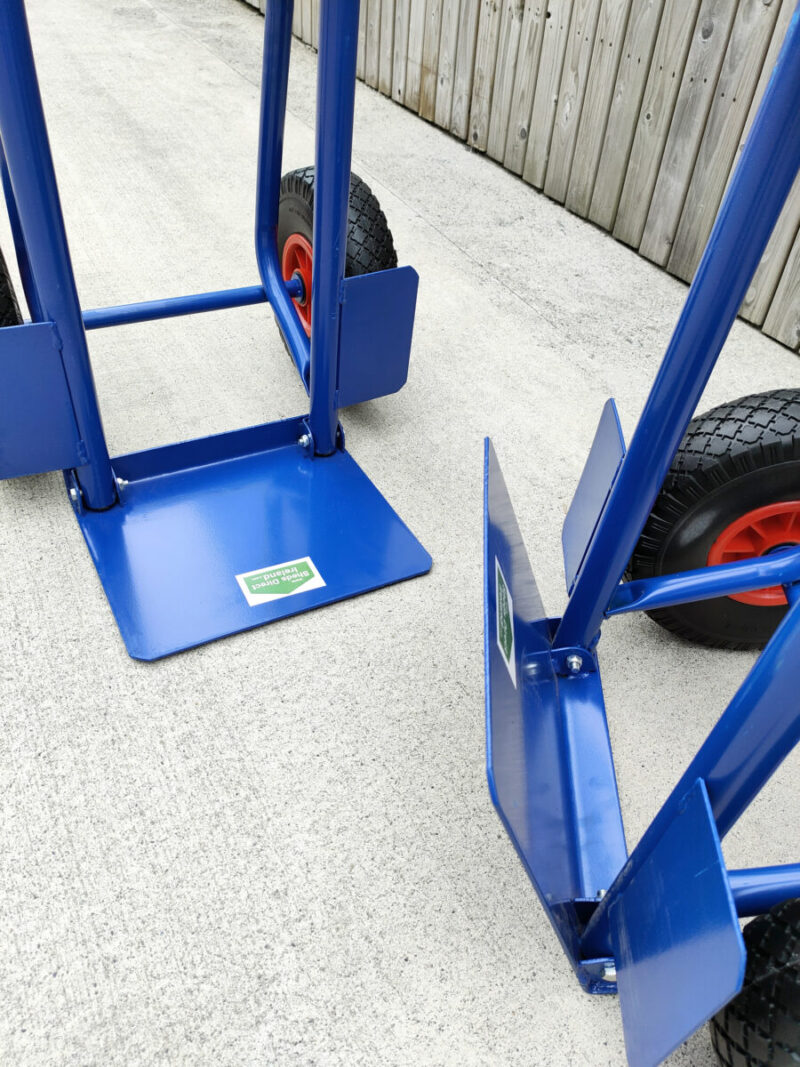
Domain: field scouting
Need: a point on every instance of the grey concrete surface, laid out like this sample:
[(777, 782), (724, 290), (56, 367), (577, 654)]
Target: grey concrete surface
[(280, 848)]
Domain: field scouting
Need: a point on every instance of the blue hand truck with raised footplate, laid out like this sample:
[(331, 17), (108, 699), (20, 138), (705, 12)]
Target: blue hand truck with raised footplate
[(209, 537), (705, 536)]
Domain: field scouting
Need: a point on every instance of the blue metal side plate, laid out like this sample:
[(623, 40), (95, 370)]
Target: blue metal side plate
[(37, 425), (549, 764), (377, 322), (230, 532), (679, 951), (601, 470)]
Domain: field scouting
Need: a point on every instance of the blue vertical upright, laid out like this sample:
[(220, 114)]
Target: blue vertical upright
[(205, 538), (661, 925)]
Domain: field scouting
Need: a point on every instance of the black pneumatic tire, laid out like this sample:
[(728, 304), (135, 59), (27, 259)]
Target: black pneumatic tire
[(9, 308), (735, 459), (369, 240), (761, 1026)]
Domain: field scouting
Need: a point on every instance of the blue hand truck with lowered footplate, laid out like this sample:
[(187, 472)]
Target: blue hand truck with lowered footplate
[(701, 529), (209, 537)]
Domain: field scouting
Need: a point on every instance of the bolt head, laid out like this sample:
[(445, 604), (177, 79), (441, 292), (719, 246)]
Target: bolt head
[(73, 495), (574, 663), (304, 440), (610, 972)]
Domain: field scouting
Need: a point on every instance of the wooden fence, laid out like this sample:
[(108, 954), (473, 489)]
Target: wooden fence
[(631, 113)]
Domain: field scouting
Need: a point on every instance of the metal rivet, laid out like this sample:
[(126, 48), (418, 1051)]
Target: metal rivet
[(574, 663)]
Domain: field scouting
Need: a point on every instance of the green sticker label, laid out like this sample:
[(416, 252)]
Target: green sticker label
[(279, 580), (505, 622)]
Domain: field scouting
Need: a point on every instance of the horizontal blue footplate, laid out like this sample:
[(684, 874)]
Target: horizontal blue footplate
[(224, 534)]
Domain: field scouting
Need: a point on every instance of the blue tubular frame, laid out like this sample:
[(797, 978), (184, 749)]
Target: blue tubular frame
[(667, 920), (751, 207), (38, 220), (284, 498)]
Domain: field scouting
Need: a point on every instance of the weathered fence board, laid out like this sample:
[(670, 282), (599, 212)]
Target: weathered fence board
[(608, 42), (448, 49), (372, 42), (465, 67), (695, 95), (484, 75), (534, 20), (574, 76), (385, 63), (505, 70), (402, 16), (545, 99), (744, 57), (637, 52), (430, 59), (655, 117), (631, 112)]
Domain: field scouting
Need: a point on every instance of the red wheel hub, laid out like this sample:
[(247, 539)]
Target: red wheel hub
[(758, 533), (296, 262)]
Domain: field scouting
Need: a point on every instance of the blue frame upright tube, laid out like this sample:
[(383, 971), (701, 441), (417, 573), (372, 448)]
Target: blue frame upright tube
[(39, 220), (274, 83), (758, 189), (336, 77)]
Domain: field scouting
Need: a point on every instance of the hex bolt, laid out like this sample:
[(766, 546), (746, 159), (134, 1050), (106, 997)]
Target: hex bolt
[(73, 495), (305, 440), (610, 972), (574, 663)]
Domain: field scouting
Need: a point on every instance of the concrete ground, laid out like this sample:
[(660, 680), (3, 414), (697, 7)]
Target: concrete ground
[(280, 848)]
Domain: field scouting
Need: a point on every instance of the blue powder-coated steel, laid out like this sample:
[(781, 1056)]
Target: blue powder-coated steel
[(677, 944), (170, 529), (194, 515), (37, 422), (599, 474), (377, 322), (549, 763), (668, 917)]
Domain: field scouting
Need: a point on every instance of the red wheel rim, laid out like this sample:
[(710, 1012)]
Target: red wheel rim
[(297, 260), (758, 533)]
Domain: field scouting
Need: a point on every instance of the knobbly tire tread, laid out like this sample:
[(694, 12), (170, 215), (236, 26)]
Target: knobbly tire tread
[(370, 246), (9, 308), (745, 446), (761, 1026)]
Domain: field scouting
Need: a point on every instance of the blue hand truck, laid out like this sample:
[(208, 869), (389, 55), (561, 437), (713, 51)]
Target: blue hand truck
[(204, 538), (661, 926)]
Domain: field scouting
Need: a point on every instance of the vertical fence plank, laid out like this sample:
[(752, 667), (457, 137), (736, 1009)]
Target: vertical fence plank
[(402, 15), (448, 50), (695, 96), (747, 47), (361, 55), (505, 70), (574, 76), (430, 59), (372, 42), (608, 42), (386, 62), (663, 82), (768, 273), (465, 67), (530, 49), (545, 99), (416, 41), (313, 38), (637, 53), (783, 319), (483, 78)]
